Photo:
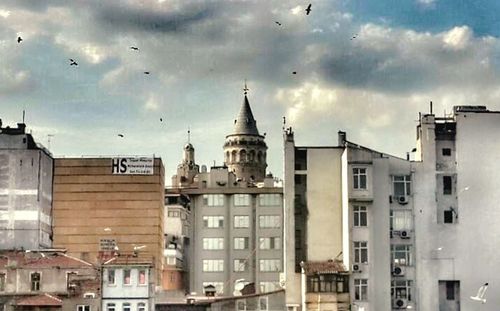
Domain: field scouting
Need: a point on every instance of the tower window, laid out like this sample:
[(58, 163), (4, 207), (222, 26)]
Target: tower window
[(447, 188), (446, 152), (448, 217)]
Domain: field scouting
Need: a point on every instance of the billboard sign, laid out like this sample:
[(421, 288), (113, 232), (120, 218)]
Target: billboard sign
[(132, 166)]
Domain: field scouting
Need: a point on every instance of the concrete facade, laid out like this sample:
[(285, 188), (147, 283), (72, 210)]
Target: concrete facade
[(98, 214), (26, 171)]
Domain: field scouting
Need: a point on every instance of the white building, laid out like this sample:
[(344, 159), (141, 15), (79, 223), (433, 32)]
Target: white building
[(416, 234), (127, 284)]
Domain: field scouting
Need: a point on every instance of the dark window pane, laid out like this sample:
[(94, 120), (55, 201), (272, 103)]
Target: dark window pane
[(448, 217), (450, 290), (446, 184), (446, 151)]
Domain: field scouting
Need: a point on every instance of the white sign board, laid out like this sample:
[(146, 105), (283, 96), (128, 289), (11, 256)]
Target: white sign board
[(132, 166)]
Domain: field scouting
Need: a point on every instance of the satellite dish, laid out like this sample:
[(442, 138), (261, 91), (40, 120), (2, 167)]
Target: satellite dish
[(236, 293), (238, 286)]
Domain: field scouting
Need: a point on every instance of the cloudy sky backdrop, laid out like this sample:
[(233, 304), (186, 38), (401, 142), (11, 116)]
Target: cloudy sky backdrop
[(405, 53)]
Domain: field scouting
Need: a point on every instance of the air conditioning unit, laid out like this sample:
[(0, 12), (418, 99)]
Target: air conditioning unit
[(399, 303), (398, 271), (403, 200), (405, 234), (356, 268)]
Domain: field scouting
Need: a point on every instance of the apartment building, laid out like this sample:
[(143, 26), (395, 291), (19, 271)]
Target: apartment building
[(236, 214), (26, 170)]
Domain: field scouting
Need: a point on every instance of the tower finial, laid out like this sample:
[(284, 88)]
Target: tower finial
[(189, 135), (245, 89)]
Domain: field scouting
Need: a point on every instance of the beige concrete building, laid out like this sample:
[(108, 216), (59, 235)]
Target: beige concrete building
[(105, 206)]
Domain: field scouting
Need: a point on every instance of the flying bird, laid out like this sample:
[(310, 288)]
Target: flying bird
[(19, 39), (73, 62), (120, 135), (480, 294), (278, 23), (161, 119), (354, 37), (308, 9), (294, 72), (134, 48), (146, 72)]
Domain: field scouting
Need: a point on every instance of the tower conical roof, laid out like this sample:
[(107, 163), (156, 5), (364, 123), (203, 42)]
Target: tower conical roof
[(245, 123)]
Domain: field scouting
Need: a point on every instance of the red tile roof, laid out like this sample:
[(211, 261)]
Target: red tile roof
[(27, 259), (39, 300)]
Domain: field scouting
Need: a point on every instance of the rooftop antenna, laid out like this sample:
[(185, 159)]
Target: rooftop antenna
[(189, 135), (431, 106), (24, 113)]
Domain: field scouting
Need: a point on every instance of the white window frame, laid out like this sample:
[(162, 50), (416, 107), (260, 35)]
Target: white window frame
[(241, 243), (266, 299), (268, 286), (360, 289), (401, 220), (270, 243), (113, 272), (126, 306), (38, 283), (405, 286), (360, 252), (401, 255), (139, 277), (269, 265), (213, 243), (270, 199), (360, 211), (241, 221), (124, 277), (213, 200), (240, 265), (213, 222), (241, 199), (401, 179), (141, 306), (213, 265), (241, 303), (269, 221), (111, 306), (358, 175)]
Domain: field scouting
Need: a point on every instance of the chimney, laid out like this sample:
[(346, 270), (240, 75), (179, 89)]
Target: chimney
[(21, 127), (342, 136)]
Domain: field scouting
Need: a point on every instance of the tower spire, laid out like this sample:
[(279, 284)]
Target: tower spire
[(189, 135), (245, 89)]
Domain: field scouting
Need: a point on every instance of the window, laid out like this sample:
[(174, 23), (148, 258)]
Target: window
[(402, 185), (360, 219), (126, 306), (270, 243), (241, 199), (213, 199), (83, 308), (450, 290), (2, 282), (241, 221), (35, 278), (213, 221), (141, 280), (141, 306), (269, 265), (273, 199), (269, 221), (360, 252), (401, 289), (240, 265), (241, 305), (171, 260), (263, 303), (359, 178), (111, 277), (448, 217), (219, 286), (213, 243), (268, 286), (331, 283), (241, 243), (360, 289), (110, 307), (126, 277), (401, 220), (213, 265), (173, 214), (447, 188), (401, 255), (446, 152)]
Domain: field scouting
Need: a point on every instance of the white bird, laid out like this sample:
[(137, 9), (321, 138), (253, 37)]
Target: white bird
[(480, 294)]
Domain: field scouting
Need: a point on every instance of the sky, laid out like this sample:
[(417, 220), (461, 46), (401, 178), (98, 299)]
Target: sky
[(364, 67)]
